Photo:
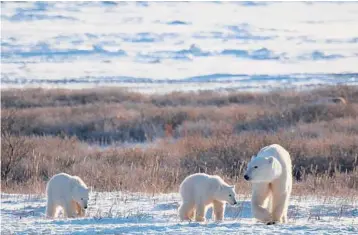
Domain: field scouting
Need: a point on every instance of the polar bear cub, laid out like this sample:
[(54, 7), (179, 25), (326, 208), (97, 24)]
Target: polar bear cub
[(270, 173), (199, 191), (68, 192)]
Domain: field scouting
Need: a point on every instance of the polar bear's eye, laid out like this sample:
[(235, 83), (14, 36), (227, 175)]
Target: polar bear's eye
[(230, 195), (255, 167), (82, 198)]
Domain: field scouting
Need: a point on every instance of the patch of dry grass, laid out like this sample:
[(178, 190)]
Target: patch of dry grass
[(44, 132)]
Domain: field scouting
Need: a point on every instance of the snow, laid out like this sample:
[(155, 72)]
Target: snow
[(159, 46), (139, 213)]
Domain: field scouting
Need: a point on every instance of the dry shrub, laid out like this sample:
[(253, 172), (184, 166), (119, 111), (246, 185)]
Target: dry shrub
[(13, 150), (208, 132), (38, 97), (132, 169), (203, 128), (161, 167), (307, 113)]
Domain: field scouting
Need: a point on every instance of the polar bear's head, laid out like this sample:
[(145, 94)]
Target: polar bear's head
[(263, 169), (226, 193), (80, 194)]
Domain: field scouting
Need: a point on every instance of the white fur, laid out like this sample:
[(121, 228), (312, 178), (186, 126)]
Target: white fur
[(68, 192), (271, 175), (199, 191)]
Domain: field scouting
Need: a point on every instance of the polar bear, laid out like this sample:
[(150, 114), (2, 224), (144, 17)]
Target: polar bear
[(68, 192), (199, 191), (271, 175)]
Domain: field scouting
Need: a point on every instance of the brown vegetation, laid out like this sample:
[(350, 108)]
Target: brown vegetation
[(83, 132)]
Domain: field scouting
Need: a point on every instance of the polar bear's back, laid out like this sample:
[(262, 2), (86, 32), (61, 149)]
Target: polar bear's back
[(63, 179), (58, 179), (198, 183), (59, 184), (77, 180), (192, 181), (279, 153)]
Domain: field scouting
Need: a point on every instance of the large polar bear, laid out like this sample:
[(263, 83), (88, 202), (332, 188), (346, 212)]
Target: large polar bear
[(199, 191), (271, 175), (68, 192)]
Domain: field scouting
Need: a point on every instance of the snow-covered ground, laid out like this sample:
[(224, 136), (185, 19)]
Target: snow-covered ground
[(134, 213), (165, 46)]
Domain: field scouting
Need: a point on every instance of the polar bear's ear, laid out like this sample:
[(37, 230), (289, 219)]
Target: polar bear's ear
[(252, 157), (232, 186), (275, 165)]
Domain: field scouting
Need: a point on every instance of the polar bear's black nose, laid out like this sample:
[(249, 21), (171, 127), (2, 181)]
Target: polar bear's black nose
[(246, 177), (85, 207)]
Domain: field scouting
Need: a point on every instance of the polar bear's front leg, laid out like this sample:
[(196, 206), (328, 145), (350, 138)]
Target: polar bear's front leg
[(200, 212), (219, 210), (69, 211), (82, 213), (191, 213), (261, 213), (284, 218), (50, 209), (78, 209), (260, 194), (279, 207), (186, 211)]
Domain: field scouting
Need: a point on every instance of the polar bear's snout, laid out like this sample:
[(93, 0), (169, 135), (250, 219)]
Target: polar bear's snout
[(231, 199), (84, 203), (246, 177)]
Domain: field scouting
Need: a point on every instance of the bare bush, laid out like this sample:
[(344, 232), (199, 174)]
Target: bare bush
[(47, 132), (13, 148)]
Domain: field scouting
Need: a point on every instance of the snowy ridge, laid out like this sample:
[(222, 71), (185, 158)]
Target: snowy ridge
[(244, 45), (136, 213)]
